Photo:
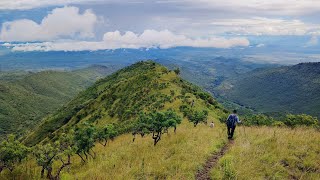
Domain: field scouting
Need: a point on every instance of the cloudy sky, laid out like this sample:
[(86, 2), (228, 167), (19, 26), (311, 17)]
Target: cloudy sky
[(73, 25)]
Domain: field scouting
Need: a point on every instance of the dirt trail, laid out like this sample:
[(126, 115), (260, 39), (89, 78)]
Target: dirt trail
[(204, 174)]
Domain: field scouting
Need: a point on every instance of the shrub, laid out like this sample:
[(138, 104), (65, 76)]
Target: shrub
[(11, 152)]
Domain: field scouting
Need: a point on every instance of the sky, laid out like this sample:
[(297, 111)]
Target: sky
[(76, 25)]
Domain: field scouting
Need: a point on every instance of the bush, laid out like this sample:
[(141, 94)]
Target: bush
[(197, 117), (156, 123), (11, 152), (301, 119)]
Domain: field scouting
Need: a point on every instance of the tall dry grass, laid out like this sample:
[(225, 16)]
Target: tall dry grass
[(271, 153)]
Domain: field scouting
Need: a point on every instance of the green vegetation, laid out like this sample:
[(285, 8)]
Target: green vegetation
[(197, 117), (90, 137), (289, 120), (143, 99), (11, 153), (119, 99), (294, 89), (25, 98), (271, 153), (156, 123)]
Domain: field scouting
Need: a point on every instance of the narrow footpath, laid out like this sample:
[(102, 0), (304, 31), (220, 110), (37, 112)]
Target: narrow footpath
[(204, 173)]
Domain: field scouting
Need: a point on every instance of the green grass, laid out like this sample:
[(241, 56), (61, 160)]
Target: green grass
[(25, 98), (176, 156), (120, 97), (271, 153)]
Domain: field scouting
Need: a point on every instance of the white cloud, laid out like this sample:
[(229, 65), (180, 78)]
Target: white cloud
[(60, 23), (240, 26), (265, 26), (148, 39), (30, 4), (267, 7)]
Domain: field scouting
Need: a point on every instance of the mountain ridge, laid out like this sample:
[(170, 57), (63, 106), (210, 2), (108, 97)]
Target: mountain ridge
[(118, 98), (294, 89)]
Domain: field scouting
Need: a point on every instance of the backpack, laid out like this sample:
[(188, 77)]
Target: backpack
[(231, 121)]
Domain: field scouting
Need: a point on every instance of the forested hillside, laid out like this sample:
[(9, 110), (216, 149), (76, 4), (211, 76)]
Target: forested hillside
[(26, 97), (294, 89), (122, 96)]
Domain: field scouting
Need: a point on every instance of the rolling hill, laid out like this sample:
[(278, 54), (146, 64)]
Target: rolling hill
[(120, 97), (294, 89), (256, 152), (26, 97)]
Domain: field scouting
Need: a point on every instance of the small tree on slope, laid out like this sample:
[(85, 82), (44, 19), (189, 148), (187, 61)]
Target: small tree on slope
[(197, 117), (61, 150), (106, 133), (157, 123), (11, 153), (84, 138)]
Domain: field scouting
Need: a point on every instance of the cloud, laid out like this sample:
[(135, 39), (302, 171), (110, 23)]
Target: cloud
[(30, 4), (148, 39), (265, 26), (254, 26), (270, 7), (60, 23), (260, 45), (312, 42)]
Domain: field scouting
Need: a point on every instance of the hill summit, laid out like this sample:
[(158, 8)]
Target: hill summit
[(119, 98)]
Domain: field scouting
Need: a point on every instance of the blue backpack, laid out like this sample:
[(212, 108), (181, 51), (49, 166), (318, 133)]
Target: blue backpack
[(231, 121)]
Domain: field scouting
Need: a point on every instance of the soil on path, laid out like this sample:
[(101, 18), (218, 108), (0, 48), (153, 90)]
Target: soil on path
[(204, 173)]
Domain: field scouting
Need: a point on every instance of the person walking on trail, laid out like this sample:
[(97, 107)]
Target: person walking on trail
[(232, 121)]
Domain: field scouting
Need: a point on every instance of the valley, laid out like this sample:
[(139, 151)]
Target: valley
[(27, 97)]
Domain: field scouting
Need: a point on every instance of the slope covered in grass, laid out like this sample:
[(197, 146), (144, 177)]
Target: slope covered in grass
[(271, 153), (25, 98), (294, 89), (120, 97), (176, 156)]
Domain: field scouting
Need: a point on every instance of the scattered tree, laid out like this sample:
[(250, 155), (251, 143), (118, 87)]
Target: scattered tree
[(301, 119), (156, 123), (177, 71), (11, 152), (142, 126), (106, 133), (84, 138), (61, 150), (197, 117)]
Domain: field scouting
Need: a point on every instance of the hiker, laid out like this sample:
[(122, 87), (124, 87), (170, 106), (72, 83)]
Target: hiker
[(232, 121), (211, 124)]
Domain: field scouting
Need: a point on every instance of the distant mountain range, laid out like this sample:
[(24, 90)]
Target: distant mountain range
[(294, 89)]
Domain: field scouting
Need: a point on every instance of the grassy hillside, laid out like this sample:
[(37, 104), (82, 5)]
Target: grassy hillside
[(177, 156), (256, 152), (118, 98), (26, 97), (271, 153), (294, 89)]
